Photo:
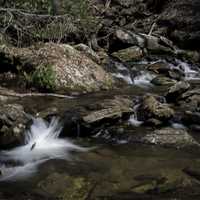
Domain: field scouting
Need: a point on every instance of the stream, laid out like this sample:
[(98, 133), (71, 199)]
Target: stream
[(100, 167)]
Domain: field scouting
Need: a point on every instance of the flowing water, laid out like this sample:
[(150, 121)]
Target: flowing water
[(42, 143)]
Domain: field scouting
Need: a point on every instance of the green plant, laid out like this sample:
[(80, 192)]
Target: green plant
[(43, 77)]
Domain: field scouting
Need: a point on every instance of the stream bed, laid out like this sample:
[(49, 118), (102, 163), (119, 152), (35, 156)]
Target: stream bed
[(112, 167)]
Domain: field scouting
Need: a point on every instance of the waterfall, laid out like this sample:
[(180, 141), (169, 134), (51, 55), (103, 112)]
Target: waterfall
[(42, 143)]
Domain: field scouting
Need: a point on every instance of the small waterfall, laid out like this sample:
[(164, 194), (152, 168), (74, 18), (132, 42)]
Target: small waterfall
[(144, 79), (133, 120), (191, 73), (42, 143)]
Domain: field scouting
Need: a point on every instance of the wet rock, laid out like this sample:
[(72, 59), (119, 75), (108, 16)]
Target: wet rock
[(66, 187), (170, 137), (162, 80), (190, 100), (60, 67), (129, 54), (12, 124), (176, 74), (165, 69), (176, 90), (152, 108), (159, 67)]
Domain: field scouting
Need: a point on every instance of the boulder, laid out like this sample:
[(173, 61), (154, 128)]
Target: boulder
[(162, 80), (110, 109), (151, 108), (133, 53), (13, 122), (152, 43), (176, 90), (59, 67), (170, 137)]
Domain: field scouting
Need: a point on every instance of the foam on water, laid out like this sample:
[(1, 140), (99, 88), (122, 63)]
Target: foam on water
[(42, 143), (144, 79), (133, 120), (190, 73)]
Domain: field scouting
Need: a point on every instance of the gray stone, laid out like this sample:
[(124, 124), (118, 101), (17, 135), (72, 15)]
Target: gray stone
[(170, 137), (129, 54), (162, 80), (13, 121), (176, 90), (151, 108)]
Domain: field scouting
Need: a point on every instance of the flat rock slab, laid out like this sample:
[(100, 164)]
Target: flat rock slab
[(170, 137), (110, 109)]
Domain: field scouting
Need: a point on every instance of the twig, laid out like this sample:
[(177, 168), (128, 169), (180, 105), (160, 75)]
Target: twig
[(152, 28), (21, 95)]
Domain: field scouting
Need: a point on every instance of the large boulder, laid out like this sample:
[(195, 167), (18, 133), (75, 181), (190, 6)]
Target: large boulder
[(60, 67), (151, 108)]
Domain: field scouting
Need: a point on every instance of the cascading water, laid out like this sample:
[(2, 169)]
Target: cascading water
[(42, 143), (133, 120), (190, 73), (144, 77)]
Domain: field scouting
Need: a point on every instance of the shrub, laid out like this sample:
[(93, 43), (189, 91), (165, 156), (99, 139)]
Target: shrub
[(43, 77)]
